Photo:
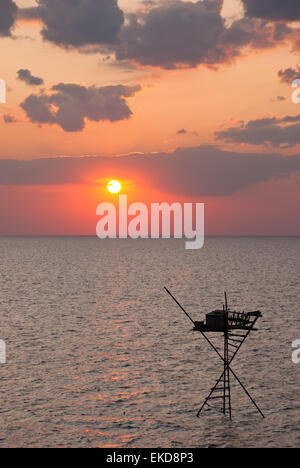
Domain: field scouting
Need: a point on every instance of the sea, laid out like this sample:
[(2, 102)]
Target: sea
[(99, 355)]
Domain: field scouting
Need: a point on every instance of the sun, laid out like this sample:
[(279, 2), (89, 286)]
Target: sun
[(114, 186)]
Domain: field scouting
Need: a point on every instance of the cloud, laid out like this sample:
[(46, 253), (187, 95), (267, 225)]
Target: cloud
[(289, 75), (78, 23), (8, 14), (196, 172), (281, 10), (183, 131), (28, 78), (8, 119), (178, 34), (70, 105), (29, 13), (273, 131), (168, 34)]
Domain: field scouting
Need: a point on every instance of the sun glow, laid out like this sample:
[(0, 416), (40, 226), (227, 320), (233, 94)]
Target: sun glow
[(114, 186)]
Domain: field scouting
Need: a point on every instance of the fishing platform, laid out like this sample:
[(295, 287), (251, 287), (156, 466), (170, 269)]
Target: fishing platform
[(235, 327), (219, 321)]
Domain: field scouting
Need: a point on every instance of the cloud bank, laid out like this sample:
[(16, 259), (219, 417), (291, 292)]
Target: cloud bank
[(196, 172), (168, 34), (70, 105), (178, 34)]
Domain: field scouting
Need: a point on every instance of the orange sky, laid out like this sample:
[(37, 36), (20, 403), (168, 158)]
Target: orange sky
[(199, 100)]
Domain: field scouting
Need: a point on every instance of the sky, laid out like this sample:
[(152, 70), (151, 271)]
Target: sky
[(179, 100)]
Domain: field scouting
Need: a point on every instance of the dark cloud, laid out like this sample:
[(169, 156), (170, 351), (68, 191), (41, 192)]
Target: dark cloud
[(273, 131), (282, 10), (38, 109), (289, 75), (196, 172), (178, 34), (31, 13), (8, 14), (173, 34), (183, 131), (28, 78), (78, 23), (69, 105), (167, 34), (9, 119)]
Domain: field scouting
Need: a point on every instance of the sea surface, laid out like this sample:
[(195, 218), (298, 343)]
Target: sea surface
[(98, 355)]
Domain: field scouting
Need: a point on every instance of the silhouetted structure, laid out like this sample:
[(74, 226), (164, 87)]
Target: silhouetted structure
[(236, 327)]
